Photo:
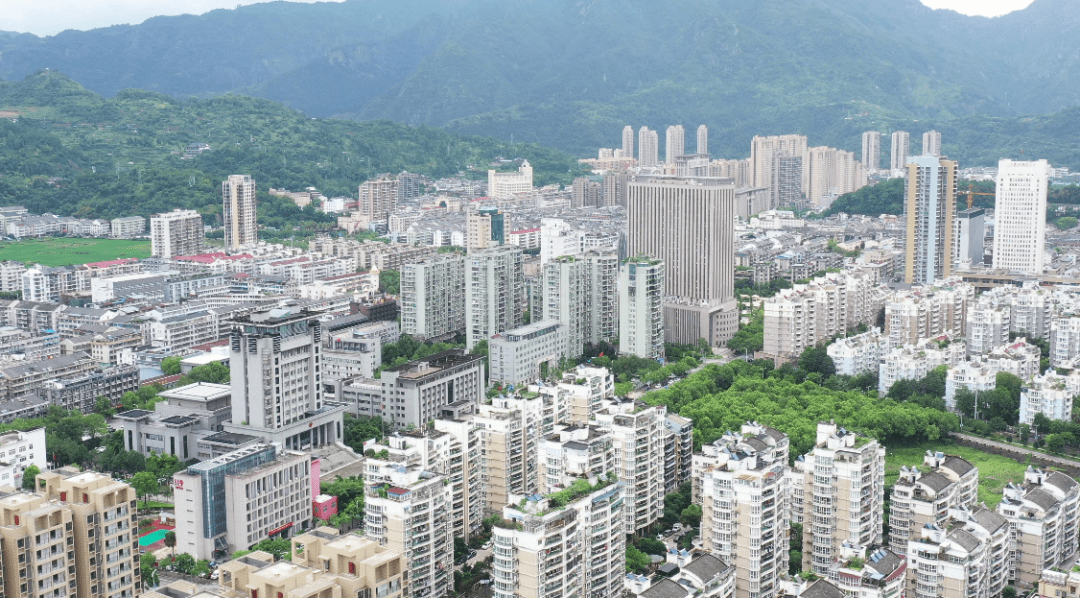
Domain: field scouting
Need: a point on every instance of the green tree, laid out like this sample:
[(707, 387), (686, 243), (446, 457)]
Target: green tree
[(637, 561), (816, 359), (29, 478), (215, 373), (390, 281), (185, 563), (170, 366), (651, 546), (279, 547), (148, 569), (170, 540), (145, 483), (103, 407)]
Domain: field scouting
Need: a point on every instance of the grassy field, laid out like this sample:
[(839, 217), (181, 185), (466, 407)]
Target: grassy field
[(994, 470), (62, 251)]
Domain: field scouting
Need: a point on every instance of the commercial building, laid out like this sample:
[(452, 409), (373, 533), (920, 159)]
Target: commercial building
[(238, 213), (742, 485), (414, 393), (276, 380), (580, 292), (1042, 515), (1020, 216), (407, 510), (485, 228), (179, 232), (570, 543), (930, 204), (924, 498), (641, 307), (503, 185), (969, 238), (187, 415), (871, 151), (494, 293), (689, 225), (519, 356), (378, 198), (638, 431), (843, 495)]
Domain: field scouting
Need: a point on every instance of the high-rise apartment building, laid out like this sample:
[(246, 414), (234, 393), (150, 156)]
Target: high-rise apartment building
[(509, 436), (763, 152), (1043, 517), (674, 143), (901, 148), (485, 228), (378, 198), (745, 498), (962, 556), (628, 142), (689, 224), (433, 297), (276, 380), (929, 312), (75, 535), (969, 237), (648, 147), (581, 293), (931, 143), (586, 192), (572, 453), (843, 495), (641, 307), (638, 432), (1020, 216), (829, 173), (930, 192), (570, 543), (871, 151), (919, 498), (1050, 394), (238, 213), (407, 509), (702, 139), (176, 233), (494, 292), (504, 185)]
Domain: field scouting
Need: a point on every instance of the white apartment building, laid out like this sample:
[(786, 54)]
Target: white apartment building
[(1042, 514), (976, 376), (868, 572), (871, 151), (584, 390), (238, 213), (127, 227), (641, 308), (407, 509), (919, 499), (928, 312), (745, 500), (638, 431), (1050, 394), (914, 362), (494, 293), (11, 276), (179, 232), (518, 356), (858, 354), (573, 453), (504, 185), (961, 557), (901, 147), (931, 143), (703, 576), (988, 327), (433, 297), (674, 143), (1020, 216), (648, 147), (843, 495), (19, 450), (1064, 340), (571, 543), (580, 291)]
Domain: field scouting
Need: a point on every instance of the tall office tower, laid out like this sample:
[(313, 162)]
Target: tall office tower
[(674, 143), (969, 237), (930, 192), (931, 143), (509, 442), (276, 382), (570, 543), (433, 297), (843, 495), (648, 147), (638, 431), (580, 292), (406, 510), (628, 141), (762, 156), (586, 193), (70, 537), (378, 198), (504, 185), (871, 151), (176, 233), (925, 497), (485, 228), (745, 496), (641, 307), (238, 212), (1042, 514), (702, 139), (1020, 216), (901, 148), (689, 224), (494, 292)]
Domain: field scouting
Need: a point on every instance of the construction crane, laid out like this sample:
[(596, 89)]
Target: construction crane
[(971, 193)]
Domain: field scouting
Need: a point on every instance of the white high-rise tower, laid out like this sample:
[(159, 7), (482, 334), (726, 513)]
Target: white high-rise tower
[(675, 143), (702, 139), (1019, 216), (901, 147), (628, 141), (871, 151), (931, 143), (238, 211)]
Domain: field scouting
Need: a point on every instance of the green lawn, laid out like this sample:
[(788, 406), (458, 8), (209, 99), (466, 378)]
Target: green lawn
[(62, 251), (994, 470)]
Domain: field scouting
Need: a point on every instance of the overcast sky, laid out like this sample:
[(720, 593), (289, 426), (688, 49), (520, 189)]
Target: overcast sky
[(48, 17)]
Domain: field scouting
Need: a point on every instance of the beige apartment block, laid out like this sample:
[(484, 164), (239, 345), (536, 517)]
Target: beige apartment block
[(638, 431), (921, 498), (964, 556), (1043, 516)]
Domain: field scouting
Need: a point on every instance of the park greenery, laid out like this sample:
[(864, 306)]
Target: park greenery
[(67, 251)]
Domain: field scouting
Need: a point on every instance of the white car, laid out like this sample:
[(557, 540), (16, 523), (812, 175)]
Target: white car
[(677, 527)]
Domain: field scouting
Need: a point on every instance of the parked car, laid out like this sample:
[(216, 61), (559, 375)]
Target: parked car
[(487, 545)]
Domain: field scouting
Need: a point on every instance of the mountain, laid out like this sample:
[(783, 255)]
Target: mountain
[(571, 73), (70, 151)]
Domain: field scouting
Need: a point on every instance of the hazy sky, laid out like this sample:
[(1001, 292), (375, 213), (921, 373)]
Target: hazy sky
[(48, 17)]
